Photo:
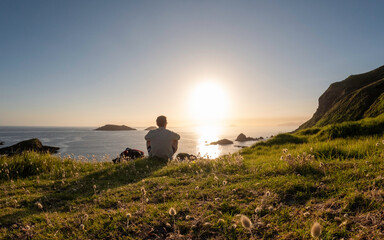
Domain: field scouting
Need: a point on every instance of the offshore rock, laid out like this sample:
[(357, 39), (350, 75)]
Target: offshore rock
[(28, 145), (111, 127), (222, 142), (243, 138)]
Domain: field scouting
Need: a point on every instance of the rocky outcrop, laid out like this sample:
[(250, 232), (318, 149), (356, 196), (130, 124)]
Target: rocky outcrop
[(243, 138), (356, 97), (28, 145), (222, 142), (111, 127), (150, 128)]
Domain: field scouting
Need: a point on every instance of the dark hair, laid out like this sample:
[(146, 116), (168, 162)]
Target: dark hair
[(161, 121)]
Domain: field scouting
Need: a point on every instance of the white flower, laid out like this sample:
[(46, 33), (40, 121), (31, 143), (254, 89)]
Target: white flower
[(172, 211), (246, 222), (316, 230)]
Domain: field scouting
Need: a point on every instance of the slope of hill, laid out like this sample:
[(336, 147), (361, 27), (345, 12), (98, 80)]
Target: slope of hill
[(283, 185), (357, 97)]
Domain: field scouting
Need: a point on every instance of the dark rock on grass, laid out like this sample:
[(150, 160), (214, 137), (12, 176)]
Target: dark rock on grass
[(1, 143), (28, 145), (243, 138), (183, 156), (150, 128), (222, 142), (111, 127)]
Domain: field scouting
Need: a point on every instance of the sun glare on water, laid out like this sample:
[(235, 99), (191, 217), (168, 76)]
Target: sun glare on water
[(208, 106), (208, 134)]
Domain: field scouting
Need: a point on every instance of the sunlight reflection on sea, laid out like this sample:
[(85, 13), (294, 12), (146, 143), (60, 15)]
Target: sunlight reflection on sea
[(104, 145)]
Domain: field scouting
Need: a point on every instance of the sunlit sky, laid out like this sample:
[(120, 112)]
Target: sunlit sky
[(89, 63)]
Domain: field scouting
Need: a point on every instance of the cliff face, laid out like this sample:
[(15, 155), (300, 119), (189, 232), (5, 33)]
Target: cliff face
[(356, 97)]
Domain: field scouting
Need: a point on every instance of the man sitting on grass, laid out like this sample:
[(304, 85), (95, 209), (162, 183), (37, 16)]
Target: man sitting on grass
[(162, 142)]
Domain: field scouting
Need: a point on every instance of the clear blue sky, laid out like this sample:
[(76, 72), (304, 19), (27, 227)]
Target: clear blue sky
[(87, 63)]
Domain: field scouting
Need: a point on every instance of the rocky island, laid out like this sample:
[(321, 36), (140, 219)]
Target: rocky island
[(33, 144), (150, 128), (111, 127), (222, 142), (243, 138)]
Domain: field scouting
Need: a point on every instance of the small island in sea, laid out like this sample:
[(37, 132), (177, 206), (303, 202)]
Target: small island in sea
[(150, 128), (111, 127)]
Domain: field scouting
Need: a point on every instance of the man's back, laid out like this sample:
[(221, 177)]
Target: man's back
[(161, 141)]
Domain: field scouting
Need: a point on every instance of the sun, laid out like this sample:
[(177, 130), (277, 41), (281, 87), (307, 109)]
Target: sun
[(209, 103)]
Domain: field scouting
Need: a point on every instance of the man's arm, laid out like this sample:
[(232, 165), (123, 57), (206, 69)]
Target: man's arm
[(175, 144), (149, 147)]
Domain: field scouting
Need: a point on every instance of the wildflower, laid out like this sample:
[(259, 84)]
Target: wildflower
[(258, 209), (311, 149), (316, 230), (143, 191), (187, 217), (172, 211), (39, 205), (285, 150), (225, 182), (267, 193), (26, 228), (343, 223), (197, 188), (377, 144), (128, 215), (82, 227), (246, 222), (306, 214)]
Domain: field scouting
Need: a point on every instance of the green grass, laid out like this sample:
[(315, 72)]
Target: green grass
[(283, 185)]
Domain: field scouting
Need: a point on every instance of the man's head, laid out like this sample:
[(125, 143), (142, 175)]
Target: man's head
[(161, 121)]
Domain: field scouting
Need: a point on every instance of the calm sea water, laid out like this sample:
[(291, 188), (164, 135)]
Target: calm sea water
[(105, 145)]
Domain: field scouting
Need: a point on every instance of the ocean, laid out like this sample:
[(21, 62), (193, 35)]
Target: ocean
[(85, 143)]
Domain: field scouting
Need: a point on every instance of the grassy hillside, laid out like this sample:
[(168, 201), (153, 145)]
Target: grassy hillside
[(356, 97), (283, 186)]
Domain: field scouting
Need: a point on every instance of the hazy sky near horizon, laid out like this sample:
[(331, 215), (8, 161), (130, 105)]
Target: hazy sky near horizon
[(88, 63)]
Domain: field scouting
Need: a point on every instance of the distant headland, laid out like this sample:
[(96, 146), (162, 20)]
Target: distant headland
[(150, 128), (111, 127)]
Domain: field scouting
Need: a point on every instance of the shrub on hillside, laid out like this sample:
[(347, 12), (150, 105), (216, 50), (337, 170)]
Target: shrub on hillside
[(367, 127), (309, 131), (29, 164), (283, 138)]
